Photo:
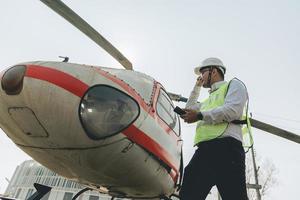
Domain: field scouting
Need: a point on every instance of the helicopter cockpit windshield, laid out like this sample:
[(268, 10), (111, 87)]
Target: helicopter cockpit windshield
[(105, 111)]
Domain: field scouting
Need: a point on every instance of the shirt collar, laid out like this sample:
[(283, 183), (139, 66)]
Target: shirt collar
[(216, 85)]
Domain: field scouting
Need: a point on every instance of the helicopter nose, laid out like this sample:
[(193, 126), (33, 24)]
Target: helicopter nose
[(12, 80)]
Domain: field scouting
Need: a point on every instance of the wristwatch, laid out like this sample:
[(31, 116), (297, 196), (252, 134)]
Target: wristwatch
[(199, 116)]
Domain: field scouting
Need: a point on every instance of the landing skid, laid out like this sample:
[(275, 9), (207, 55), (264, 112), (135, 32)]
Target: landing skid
[(42, 190)]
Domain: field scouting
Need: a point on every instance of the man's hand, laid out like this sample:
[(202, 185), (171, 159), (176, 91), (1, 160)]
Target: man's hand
[(199, 81), (190, 116)]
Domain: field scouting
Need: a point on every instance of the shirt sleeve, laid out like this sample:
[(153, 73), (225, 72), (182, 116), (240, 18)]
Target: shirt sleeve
[(192, 101), (233, 107)]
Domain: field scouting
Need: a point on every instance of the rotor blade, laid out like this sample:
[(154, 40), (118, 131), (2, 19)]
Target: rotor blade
[(275, 130), (67, 13)]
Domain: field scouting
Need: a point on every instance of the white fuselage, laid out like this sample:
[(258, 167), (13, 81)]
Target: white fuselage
[(47, 120)]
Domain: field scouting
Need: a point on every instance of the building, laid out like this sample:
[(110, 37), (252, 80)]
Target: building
[(30, 172)]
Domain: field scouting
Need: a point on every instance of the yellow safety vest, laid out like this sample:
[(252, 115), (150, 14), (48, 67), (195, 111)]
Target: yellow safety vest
[(205, 132)]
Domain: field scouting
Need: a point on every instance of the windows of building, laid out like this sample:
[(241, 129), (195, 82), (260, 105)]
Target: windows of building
[(64, 183), (68, 185), (68, 196), (18, 193), (92, 197), (29, 193), (24, 191), (58, 183), (27, 172)]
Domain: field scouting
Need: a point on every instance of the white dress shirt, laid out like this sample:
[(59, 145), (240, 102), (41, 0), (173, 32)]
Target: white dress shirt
[(232, 109)]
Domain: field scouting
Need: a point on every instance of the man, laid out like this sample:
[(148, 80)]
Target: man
[(219, 159)]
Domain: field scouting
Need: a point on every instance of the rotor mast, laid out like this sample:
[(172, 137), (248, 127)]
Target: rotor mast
[(67, 13)]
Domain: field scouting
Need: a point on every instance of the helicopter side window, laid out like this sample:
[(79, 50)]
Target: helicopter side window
[(105, 111), (165, 111)]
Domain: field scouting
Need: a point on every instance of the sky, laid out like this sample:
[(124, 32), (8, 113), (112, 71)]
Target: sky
[(258, 41)]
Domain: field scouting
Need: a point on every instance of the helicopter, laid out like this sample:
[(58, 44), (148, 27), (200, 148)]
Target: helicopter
[(113, 130)]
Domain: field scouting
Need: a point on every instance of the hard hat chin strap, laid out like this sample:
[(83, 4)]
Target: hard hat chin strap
[(209, 77)]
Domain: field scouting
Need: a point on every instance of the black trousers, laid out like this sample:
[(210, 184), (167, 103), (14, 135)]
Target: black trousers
[(219, 162)]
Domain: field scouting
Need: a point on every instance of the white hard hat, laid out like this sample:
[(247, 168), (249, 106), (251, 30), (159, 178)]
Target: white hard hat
[(216, 62)]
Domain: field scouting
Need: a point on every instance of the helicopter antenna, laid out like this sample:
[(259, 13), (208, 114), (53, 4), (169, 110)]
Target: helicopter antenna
[(67, 13), (66, 59)]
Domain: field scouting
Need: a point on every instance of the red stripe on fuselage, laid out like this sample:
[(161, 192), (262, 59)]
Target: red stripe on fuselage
[(78, 88), (58, 78), (138, 136)]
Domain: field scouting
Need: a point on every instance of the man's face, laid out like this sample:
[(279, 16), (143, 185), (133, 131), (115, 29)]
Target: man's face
[(205, 73)]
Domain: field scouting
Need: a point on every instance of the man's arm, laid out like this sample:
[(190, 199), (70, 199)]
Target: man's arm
[(192, 100), (233, 107), (192, 103)]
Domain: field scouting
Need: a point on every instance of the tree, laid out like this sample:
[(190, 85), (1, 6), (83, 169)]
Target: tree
[(266, 172)]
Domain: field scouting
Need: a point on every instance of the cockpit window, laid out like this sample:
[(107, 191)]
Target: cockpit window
[(105, 111), (165, 110)]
